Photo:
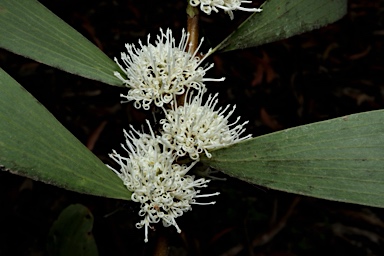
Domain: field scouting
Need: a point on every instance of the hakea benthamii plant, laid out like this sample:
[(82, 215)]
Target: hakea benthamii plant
[(157, 75)]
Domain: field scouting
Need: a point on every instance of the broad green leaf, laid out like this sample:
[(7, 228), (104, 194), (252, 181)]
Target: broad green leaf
[(71, 233), (34, 144), (29, 29), (340, 159), (281, 19)]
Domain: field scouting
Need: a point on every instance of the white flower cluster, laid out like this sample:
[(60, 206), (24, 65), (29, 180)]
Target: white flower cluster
[(160, 74), (228, 6), (156, 73), (197, 127), (158, 183)]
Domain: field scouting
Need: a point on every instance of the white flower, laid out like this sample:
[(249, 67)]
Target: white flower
[(197, 127), (159, 184), (228, 6), (156, 73)]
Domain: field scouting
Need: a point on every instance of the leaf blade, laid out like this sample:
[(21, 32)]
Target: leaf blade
[(340, 159), (71, 233), (282, 19), (29, 29), (34, 144)]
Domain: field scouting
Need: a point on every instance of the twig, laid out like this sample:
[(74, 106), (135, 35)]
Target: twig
[(193, 40), (267, 236), (161, 248), (95, 135), (193, 27), (275, 229)]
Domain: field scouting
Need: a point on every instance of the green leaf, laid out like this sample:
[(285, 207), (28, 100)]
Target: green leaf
[(71, 233), (281, 19), (29, 29), (34, 144), (340, 159)]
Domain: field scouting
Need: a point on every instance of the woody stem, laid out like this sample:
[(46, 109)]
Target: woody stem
[(193, 27), (193, 40)]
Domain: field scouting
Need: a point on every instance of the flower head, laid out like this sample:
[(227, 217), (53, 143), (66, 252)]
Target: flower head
[(159, 184), (228, 6), (155, 73), (197, 127)]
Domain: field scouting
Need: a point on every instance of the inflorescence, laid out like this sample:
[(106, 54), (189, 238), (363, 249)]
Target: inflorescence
[(158, 75), (228, 6)]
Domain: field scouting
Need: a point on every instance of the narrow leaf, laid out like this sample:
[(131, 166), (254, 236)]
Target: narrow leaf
[(340, 159), (34, 144), (71, 234), (281, 19), (29, 29)]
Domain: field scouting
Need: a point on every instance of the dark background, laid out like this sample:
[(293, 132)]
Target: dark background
[(331, 72)]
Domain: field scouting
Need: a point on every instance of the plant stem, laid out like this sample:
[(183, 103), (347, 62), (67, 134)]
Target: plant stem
[(193, 40), (193, 27), (161, 246)]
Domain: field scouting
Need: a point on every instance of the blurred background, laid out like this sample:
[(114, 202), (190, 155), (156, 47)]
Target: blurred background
[(330, 72)]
